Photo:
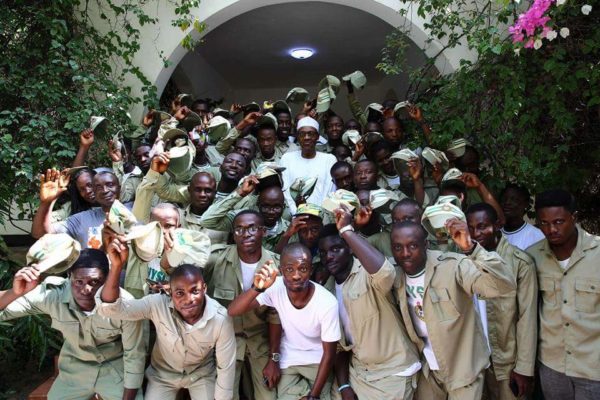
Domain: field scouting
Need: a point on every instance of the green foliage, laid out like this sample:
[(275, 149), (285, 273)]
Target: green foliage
[(60, 66), (536, 115)]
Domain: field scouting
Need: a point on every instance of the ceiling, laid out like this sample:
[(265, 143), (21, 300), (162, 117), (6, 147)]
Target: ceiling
[(251, 50)]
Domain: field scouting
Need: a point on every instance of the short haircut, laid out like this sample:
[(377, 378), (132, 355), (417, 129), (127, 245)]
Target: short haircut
[(200, 101), (521, 190), (395, 119), (485, 207), (555, 198), (294, 247), (378, 146), (454, 185), (100, 173), (332, 117), (244, 139), (340, 165), (165, 206), (329, 230), (281, 111), (411, 224), (249, 212), (200, 174), (187, 270), (364, 161), (407, 201), (91, 258)]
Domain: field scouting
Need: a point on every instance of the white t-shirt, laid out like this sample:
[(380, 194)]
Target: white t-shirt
[(564, 263), (248, 271), (392, 181), (298, 167), (523, 237), (414, 291), (344, 318), (304, 329)]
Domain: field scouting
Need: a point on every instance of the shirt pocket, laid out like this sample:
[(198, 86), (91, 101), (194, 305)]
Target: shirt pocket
[(548, 289), (106, 334), (166, 335), (443, 306), (199, 346), (587, 296), (69, 329), (223, 296)]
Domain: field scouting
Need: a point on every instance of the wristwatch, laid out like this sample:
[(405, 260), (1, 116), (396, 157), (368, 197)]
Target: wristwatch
[(346, 229), (275, 357)]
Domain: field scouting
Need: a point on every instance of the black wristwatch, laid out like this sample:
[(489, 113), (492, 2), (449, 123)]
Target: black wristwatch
[(257, 289)]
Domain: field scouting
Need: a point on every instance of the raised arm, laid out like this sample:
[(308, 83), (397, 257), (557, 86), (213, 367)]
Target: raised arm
[(25, 280), (246, 301), (52, 185), (482, 272), (415, 168), (86, 139), (215, 216), (472, 181)]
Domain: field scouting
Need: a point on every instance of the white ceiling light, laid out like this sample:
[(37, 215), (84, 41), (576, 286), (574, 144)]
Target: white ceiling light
[(301, 54)]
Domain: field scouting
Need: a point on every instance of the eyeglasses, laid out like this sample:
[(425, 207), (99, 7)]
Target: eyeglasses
[(240, 230), (270, 208), (307, 134)]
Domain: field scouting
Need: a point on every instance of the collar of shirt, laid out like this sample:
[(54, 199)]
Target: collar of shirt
[(585, 242)]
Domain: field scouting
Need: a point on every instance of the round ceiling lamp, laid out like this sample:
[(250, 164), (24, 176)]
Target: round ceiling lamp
[(301, 54)]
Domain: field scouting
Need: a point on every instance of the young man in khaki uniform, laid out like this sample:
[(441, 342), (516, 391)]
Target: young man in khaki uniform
[(99, 355), (435, 291), (230, 270), (378, 359), (567, 267), (511, 318), (195, 342)]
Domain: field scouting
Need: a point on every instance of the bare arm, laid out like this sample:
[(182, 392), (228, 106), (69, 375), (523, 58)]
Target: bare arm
[(472, 181), (325, 367), (86, 139), (246, 301), (341, 367), (52, 185)]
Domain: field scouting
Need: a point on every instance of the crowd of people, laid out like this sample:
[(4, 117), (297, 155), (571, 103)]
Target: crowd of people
[(266, 255)]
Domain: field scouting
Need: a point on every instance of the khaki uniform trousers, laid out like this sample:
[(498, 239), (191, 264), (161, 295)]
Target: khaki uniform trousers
[(255, 366), (200, 388), (391, 387), (107, 385), (498, 390), (432, 388), (296, 381)]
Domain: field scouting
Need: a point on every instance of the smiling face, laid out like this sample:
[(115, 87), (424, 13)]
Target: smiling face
[(334, 128), (409, 248), (85, 282), (307, 137), (483, 230), (336, 256), (85, 187), (284, 126), (106, 189), (296, 268), (383, 160), (557, 224), (187, 293), (233, 167)]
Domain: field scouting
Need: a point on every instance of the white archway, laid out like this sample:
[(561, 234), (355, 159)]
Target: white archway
[(166, 39)]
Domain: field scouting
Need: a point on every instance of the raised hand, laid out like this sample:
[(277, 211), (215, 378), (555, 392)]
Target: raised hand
[(181, 113), (117, 252), (415, 169), (459, 233), (343, 217), (51, 185), (248, 185), (114, 154), (415, 113), (160, 162), (266, 276), (86, 138), (25, 280), (471, 180)]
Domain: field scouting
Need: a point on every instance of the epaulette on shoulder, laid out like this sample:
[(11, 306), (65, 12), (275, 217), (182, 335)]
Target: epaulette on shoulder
[(53, 281)]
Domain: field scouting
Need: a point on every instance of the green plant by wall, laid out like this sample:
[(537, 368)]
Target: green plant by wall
[(533, 111)]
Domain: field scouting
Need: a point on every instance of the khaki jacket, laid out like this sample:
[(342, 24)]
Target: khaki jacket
[(180, 351), (569, 337), (93, 344), (220, 215), (512, 318), (453, 325), (223, 275), (381, 345)]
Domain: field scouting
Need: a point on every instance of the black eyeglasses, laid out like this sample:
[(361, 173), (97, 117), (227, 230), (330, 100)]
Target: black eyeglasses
[(240, 230)]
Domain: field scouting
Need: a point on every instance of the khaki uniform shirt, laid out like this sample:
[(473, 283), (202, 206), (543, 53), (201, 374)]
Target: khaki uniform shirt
[(93, 345), (128, 183), (357, 110), (220, 215), (62, 213), (259, 159), (569, 337), (512, 318), (191, 221), (223, 275), (381, 345), (454, 327), (181, 351), (285, 147)]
